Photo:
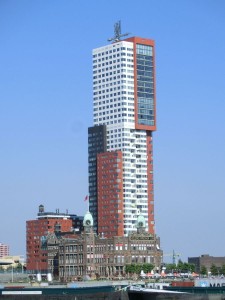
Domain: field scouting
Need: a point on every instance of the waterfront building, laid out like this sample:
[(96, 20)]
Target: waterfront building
[(207, 261), (37, 230), (120, 144), (4, 250), (13, 261), (91, 254)]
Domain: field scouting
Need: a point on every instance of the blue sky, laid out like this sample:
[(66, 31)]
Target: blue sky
[(46, 108)]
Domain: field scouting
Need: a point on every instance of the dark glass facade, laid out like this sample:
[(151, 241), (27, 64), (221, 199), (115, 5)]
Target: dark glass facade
[(145, 85), (96, 144)]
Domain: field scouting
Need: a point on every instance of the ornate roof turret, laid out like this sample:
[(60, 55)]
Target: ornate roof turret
[(141, 223), (88, 220)]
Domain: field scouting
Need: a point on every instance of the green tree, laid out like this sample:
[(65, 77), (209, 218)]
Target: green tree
[(180, 266), (214, 270), (185, 267), (223, 270), (192, 268), (219, 270), (147, 268), (19, 267), (203, 270), (137, 268), (170, 268), (130, 268)]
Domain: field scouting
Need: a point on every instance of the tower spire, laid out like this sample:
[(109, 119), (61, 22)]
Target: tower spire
[(117, 33)]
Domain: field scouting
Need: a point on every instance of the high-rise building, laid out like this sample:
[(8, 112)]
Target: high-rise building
[(120, 149), (4, 250)]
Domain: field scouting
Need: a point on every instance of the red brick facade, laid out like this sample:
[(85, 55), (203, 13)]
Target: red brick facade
[(110, 193), (35, 229)]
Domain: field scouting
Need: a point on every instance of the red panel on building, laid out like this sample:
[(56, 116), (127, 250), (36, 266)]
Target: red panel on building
[(35, 229), (110, 193), (147, 42)]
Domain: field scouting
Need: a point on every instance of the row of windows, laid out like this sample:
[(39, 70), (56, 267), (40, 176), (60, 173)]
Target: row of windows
[(112, 83), (112, 78), (117, 94), (128, 145), (144, 50), (145, 84), (106, 89), (114, 72), (113, 51), (113, 57), (116, 66), (146, 112), (110, 62), (146, 101), (104, 107), (99, 101), (111, 89), (126, 130), (133, 191), (112, 111), (141, 57), (144, 68), (100, 121), (114, 116), (145, 75)]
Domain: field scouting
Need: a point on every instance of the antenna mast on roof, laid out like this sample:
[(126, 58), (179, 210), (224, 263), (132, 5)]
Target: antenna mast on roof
[(117, 33)]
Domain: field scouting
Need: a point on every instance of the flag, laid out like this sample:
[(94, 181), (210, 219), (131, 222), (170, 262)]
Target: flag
[(86, 198)]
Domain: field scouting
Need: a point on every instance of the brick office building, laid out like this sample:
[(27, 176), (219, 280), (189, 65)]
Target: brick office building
[(206, 261), (37, 230), (87, 254)]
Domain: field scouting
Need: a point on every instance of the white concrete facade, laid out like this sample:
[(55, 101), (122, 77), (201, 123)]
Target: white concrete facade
[(114, 105)]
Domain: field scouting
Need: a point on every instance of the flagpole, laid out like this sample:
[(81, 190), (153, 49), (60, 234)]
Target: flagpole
[(87, 199)]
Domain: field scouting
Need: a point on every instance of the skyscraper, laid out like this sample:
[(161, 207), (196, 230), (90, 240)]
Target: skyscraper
[(120, 142)]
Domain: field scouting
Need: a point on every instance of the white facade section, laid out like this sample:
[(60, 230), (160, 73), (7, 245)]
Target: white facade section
[(53, 216), (113, 105)]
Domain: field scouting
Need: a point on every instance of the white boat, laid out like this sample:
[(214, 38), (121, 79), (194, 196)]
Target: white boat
[(146, 293)]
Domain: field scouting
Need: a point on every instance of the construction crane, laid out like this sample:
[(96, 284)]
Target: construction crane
[(174, 256)]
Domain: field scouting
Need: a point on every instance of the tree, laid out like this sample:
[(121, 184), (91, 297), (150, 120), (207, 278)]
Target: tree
[(147, 268), (214, 270), (19, 267), (223, 270), (185, 267), (137, 268), (203, 270), (130, 268), (182, 267), (170, 268), (192, 267)]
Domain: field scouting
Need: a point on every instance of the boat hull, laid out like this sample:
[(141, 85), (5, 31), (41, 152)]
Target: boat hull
[(89, 293)]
